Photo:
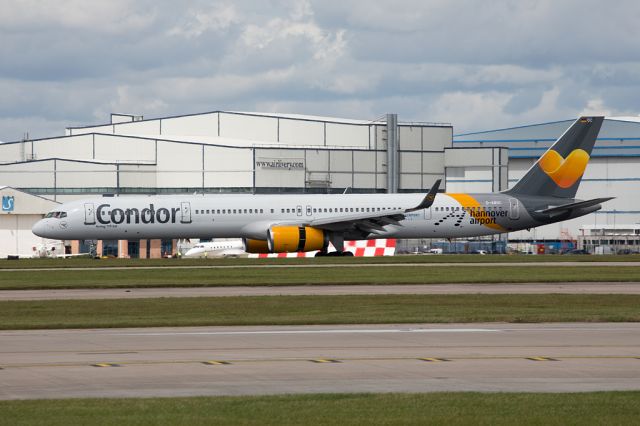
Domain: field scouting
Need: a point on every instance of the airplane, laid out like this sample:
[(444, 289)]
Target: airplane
[(217, 248), (50, 249), (308, 222)]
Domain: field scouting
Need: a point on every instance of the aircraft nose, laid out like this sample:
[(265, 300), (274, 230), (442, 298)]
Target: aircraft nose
[(41, 228)]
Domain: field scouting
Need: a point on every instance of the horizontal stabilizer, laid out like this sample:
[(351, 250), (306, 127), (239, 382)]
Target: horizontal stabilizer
[(573, 206)]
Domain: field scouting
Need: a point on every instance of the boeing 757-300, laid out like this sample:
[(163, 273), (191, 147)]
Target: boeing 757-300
[(306, 222)]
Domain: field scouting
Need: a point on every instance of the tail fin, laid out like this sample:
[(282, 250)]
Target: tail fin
[(559, 171)]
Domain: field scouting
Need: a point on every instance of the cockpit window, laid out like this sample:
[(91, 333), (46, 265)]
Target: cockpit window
[(56, 215)]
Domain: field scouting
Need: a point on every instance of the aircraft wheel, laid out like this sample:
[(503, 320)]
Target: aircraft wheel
[(321, 254), (347, 254)]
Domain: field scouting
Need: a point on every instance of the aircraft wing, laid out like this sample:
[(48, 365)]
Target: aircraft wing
[(374, 222), (552, 211), (367, 223)]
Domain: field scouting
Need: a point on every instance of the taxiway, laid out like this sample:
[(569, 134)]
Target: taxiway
[(325, 290), (266, 360)]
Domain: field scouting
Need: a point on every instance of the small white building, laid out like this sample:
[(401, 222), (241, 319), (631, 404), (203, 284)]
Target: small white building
[(20, 211)]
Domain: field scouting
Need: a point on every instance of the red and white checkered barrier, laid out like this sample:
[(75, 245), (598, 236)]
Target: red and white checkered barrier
[(359, 248)]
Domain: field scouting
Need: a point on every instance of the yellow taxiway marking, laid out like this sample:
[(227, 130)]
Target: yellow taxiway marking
[(317, 360), (216, 363)]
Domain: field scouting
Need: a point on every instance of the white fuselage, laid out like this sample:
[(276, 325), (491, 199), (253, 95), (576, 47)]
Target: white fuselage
[(251, 216)]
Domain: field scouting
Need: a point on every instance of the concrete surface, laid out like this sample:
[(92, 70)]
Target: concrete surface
[(273, 360), (497, 288)]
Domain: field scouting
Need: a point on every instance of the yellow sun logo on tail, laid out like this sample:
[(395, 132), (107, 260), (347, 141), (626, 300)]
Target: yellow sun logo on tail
[(564, 171)]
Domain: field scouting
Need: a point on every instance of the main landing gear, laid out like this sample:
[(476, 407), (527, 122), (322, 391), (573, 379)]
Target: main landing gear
[(334, 254), (337, 239)]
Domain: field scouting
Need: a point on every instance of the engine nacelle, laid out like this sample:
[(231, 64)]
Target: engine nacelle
[(255, 246), (288, 239)]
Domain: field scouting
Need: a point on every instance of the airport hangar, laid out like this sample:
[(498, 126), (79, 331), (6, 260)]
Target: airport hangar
[(237, 152)]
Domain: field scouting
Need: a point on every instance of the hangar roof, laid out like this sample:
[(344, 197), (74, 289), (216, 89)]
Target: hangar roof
[(619, 137)]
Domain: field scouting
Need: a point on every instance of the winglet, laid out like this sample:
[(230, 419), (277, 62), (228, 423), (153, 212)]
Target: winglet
[(428, 200)]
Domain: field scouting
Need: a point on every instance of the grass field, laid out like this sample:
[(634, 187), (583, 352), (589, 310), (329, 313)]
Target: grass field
[(84, 262), (600, 408), (162, 277), (303, 310)]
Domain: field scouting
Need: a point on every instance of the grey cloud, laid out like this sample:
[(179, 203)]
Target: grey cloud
[(475, 64)]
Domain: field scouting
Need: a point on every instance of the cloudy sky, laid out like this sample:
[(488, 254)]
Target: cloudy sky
[(476, 64)]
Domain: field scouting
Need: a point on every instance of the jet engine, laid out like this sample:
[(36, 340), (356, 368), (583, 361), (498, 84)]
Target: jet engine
[(283, 239), (255, 246)]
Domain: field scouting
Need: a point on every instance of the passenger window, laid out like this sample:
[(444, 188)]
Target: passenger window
[(245, 211), (234, 211)]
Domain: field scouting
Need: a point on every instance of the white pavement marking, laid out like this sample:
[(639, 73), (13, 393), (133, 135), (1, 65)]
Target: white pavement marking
[(334, 331)]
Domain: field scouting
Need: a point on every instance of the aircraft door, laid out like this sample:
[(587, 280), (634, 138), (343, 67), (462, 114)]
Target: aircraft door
[(427, 213), (185, 209), (308, 210), (89, 214), (514, 209), (299, 210)]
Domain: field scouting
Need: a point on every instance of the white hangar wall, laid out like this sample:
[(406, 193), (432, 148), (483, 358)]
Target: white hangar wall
[(225, 152), (16, 237), (613, 171)]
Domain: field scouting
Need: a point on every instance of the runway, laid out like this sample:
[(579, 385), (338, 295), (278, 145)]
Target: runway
[(269, 360), (312, 290), (333, 265)]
